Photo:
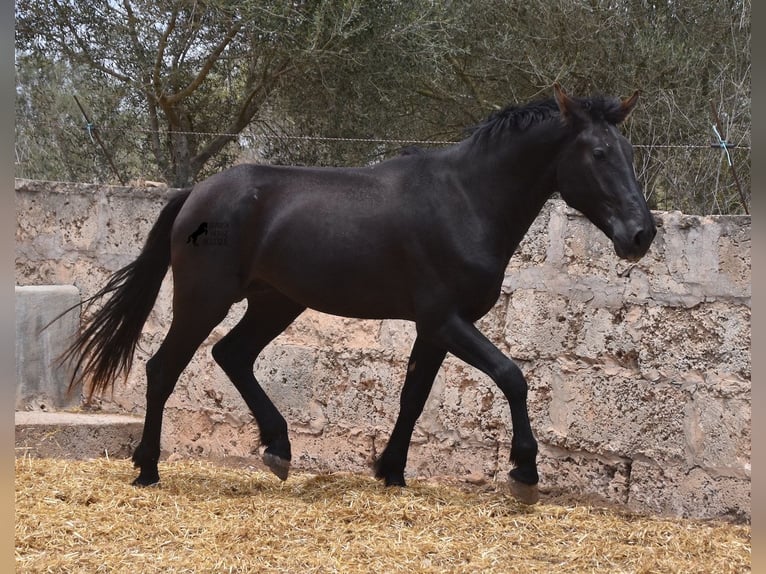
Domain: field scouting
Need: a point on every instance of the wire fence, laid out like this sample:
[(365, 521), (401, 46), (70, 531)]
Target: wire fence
[(90, 128), (710, 178)]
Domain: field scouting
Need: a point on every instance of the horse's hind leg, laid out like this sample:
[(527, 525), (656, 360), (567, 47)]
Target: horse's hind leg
[(425, 361), (193, 319), (267, 315)]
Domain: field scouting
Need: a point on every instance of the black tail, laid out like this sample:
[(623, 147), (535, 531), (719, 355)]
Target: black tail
[(104, 348)]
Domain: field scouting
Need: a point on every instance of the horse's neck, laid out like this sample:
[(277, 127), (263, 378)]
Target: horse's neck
[(512, 178)]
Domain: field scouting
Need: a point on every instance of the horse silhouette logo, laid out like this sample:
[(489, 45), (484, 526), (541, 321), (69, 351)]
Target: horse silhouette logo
[(201, 230)]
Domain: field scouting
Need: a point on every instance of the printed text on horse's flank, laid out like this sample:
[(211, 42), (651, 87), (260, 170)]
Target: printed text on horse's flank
[(209, 233)]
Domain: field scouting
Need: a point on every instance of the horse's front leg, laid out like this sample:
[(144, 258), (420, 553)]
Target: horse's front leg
[(466, 342), (425, 361)]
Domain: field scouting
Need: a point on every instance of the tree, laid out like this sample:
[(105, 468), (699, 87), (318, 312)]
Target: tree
[(364, 88), (477, 56), (203, 82), (681, 55), (198, 72)]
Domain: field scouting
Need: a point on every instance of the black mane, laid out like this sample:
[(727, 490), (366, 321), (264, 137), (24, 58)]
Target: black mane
[(515, 118)]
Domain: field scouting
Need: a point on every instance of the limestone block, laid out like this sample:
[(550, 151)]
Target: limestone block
[(709, 337), (533, 249), (694, 259), (397, 336), (687, 492), (582, 474), (200, 432), (42, 382), (493, 324), (55, 221), (718, 426), (342, 449), (468, 407), (326, 331), (123, 226), (539, 323), (611, 410), (457, 459), (587, 252), (287, 374), (359, 389), (734, 263), (76, 435)]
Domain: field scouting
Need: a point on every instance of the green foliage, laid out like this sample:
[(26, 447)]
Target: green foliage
[(180, 90)]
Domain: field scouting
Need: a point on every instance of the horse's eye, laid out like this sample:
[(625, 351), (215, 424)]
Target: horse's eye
[(599, 153)]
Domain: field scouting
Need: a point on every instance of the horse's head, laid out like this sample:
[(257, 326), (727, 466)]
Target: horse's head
[(595, 172)]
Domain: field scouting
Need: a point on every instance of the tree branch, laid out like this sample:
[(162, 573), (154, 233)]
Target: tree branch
[(84, 54), (246, 111), (154, 138), (162, 45), (208, 65)]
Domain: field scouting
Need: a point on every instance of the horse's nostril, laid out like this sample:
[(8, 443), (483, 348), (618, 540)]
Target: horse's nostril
[(644, 237)]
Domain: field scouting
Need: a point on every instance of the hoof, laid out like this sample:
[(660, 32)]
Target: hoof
[(524, 493), (394, 480), (146, 482), (388, 478), (277, 465)]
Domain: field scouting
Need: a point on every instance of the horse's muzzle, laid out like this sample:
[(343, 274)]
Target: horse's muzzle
[(634, 242)]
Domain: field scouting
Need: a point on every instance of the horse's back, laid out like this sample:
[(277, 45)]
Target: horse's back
[(332, 239)]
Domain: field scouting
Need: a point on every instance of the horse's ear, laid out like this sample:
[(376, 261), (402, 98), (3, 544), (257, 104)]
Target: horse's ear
[(570, 110), (627, 105)]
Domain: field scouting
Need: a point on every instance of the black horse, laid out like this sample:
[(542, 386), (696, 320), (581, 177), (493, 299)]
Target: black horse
[(424, 237)]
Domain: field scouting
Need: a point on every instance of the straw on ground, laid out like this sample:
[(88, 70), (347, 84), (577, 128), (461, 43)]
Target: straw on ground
[(84, 516)]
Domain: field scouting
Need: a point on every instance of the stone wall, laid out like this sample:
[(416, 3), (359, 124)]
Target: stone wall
[(639, 373)]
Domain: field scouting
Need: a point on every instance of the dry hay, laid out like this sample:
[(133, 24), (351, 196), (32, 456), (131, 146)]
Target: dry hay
[(86, 517)]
